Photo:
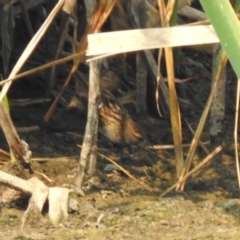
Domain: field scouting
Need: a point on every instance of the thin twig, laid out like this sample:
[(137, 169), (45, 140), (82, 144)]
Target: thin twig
[(159, 147), (123, 170), (200, 165), (200, 142)]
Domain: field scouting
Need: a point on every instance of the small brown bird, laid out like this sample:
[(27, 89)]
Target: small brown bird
[(116, 124), (114, 121)]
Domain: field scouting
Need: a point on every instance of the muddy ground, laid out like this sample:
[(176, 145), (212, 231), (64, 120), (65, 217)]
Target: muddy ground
[(116, 207)]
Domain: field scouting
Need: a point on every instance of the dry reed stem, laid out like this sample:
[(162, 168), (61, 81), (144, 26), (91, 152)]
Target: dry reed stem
[(236, 130), (200, 165)]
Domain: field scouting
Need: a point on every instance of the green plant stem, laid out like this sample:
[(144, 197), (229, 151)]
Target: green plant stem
[(226, 25)]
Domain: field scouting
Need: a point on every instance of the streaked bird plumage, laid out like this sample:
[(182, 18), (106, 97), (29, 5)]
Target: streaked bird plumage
[(116, 124)]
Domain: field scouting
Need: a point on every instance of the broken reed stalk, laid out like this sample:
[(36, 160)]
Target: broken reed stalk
[(16, 183), (87, 159), (19, 147)]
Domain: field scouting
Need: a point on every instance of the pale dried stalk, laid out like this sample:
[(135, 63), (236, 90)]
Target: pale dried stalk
[(88, 156), (236, 130)]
